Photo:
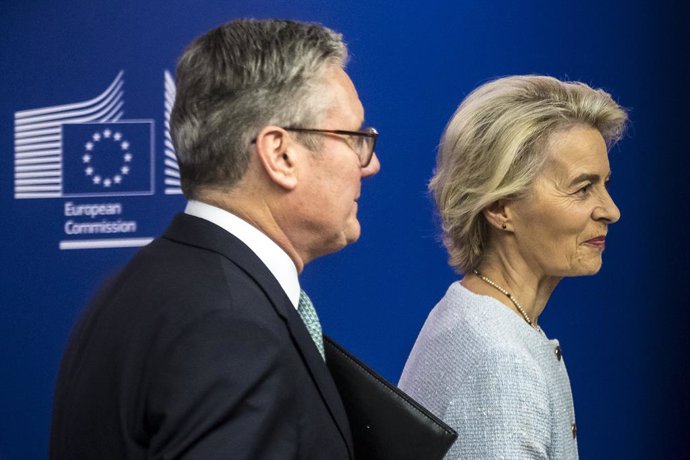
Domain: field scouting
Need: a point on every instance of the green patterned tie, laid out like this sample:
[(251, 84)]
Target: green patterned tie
[(306, 310)]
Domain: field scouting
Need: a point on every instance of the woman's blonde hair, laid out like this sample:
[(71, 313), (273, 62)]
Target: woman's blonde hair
[(493, 148)]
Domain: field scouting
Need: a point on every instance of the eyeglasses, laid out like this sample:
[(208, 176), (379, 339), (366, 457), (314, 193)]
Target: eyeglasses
[(361, 142)]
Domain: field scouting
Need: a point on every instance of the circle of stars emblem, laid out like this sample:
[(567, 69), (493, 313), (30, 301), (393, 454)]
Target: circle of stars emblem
[(106, 135)]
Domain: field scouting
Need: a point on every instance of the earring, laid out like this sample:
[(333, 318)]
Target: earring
[(504, 226)]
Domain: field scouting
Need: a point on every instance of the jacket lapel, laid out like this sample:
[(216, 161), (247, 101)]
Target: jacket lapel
[(201, 233)]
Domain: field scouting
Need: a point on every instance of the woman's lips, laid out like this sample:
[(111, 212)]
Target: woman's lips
[(598, 242)]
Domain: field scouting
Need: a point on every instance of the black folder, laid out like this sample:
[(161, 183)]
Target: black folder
[(386, 423)]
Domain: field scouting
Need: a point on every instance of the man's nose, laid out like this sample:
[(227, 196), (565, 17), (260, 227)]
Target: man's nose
[(373, 167)]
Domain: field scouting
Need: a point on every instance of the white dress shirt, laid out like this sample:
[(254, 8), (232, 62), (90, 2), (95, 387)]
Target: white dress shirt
[(272, 255)]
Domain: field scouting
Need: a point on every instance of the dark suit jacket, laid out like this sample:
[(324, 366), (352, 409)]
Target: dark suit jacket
[(195, 351)]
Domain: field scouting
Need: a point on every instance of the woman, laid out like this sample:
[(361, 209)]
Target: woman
[(521, 188)]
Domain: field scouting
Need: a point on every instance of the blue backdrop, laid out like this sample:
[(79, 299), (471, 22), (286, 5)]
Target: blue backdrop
[(70, 218)]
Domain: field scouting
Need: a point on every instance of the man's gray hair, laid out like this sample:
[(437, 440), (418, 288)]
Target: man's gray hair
[(493, 149), (238, 78)]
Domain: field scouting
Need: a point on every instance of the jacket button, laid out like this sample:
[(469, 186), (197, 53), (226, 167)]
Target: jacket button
[(573, 428), (559, 355)]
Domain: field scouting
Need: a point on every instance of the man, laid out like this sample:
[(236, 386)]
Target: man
[(199, 349)]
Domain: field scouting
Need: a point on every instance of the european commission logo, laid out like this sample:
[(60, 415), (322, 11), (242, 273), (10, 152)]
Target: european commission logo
[(87, 149), (102, 159), (88, 154)]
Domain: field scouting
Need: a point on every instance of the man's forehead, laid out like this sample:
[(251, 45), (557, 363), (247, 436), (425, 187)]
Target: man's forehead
[(346, 101)]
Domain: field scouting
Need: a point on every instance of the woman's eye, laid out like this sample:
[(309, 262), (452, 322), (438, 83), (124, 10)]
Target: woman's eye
[(584, 190)]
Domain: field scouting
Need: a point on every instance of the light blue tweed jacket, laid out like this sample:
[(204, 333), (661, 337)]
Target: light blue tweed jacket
[(500, 383)]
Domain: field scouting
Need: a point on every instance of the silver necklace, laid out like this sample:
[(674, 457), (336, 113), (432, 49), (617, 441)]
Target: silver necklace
[(507, 294)]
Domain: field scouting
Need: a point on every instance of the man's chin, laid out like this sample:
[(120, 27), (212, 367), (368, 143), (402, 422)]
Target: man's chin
[(349, 236), (353, 233)]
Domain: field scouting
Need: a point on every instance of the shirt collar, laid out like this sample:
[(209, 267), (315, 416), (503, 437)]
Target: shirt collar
[(272, 255)]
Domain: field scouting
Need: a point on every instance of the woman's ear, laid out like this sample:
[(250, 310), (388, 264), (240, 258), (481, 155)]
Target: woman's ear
[(276, 153), (497, 215)]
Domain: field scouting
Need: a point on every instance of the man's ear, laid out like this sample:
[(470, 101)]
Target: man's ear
[(498, 215), (276, 153)]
